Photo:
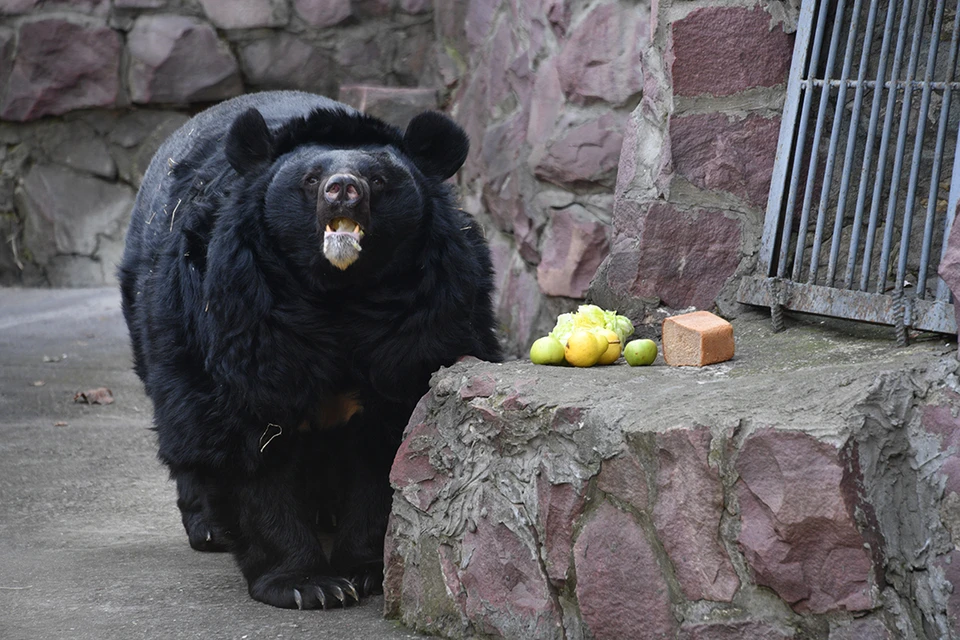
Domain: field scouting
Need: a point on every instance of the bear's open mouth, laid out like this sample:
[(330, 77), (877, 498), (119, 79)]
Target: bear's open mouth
[(341, 242), (348, 226)]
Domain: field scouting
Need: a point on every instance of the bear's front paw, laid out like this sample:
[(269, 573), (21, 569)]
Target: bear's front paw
[(368, 579), (299, 592)]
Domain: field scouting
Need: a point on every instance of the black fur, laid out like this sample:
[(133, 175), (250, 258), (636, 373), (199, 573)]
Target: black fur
[(257, 352)]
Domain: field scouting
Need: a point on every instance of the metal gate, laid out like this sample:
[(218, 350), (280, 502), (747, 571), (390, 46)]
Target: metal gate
[(860, 203)]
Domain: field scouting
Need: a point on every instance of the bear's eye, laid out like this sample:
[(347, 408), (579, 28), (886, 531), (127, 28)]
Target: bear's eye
[(377, 181), (312, 181)]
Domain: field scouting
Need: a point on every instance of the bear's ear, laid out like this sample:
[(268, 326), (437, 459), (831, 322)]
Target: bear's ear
[(436, 144), (249, 142)]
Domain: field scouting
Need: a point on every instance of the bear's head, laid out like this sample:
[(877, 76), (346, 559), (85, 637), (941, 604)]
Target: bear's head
[(341, 188)]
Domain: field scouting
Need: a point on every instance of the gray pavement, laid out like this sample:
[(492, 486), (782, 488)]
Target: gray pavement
[(91, 545)]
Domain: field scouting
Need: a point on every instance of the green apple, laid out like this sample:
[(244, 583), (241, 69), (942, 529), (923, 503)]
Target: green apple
[(546, 350), (640, 352)]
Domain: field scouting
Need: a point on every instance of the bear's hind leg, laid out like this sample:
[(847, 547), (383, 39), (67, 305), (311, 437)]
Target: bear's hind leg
[(202, 532)]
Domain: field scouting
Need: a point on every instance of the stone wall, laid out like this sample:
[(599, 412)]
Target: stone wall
[(603, 135), (698, 156), (90, 88), (545, 89)]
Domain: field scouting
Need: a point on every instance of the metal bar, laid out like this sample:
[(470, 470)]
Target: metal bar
[(851, 142), (918, 149), (787, 124), (815, 149), (871, 138), (937, 163), (895, 176), (801, 143), (884, 147), (926, 315), (832, 152), (899, 84), (943, 291)]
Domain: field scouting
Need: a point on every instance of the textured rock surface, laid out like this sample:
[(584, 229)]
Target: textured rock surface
[(687, 515), (544, 89), (246, 14), (287, 62), (798, 531), (59, 66), (574, 244), (161, 46), (735, 510), (726, 50), (396, 105), (610, 554), (682, 257), (718, 152), (323, 13), (74, 215), (950, 268)]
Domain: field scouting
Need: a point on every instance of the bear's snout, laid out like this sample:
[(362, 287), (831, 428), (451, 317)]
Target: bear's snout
[(344, 189)]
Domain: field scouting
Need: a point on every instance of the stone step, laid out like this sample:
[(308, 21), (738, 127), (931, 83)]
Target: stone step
[(795, 491)]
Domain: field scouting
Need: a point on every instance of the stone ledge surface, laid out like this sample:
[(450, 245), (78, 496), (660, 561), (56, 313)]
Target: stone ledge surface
[(765, 497)]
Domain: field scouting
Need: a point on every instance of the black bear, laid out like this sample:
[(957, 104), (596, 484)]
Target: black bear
[(294, 272)]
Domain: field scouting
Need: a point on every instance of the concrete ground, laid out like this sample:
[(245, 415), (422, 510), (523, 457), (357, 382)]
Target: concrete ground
[(91, 545)]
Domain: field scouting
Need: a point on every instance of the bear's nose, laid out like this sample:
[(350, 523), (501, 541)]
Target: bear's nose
[(342, 188)]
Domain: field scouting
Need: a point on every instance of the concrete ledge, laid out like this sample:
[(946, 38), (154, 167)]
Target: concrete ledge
[(808, 488)]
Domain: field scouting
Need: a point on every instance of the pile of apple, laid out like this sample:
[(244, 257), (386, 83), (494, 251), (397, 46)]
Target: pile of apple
[(592, 336)]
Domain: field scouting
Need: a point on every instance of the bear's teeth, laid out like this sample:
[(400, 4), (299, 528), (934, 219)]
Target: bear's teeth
[(344, 225)]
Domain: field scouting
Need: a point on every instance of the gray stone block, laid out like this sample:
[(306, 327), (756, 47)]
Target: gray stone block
[(66, 212), (177, 59)]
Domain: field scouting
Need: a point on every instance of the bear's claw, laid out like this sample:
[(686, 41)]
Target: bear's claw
[(318, 592)]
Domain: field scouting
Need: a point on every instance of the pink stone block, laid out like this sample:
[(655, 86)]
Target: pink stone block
[(587, 152), (737, 630), (412, 473), (620, 588), (246, 14), (546, 102), (506, 592), (479, 20), (726, 50), (683, 257), (323, 13), (599, 59), (574, 245), (687, 515), (163, 50), (60, 66), (560, 505), (714, 151), (798, 532)]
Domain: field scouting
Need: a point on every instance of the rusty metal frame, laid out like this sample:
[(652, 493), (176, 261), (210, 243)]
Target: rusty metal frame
[(877, 159)]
